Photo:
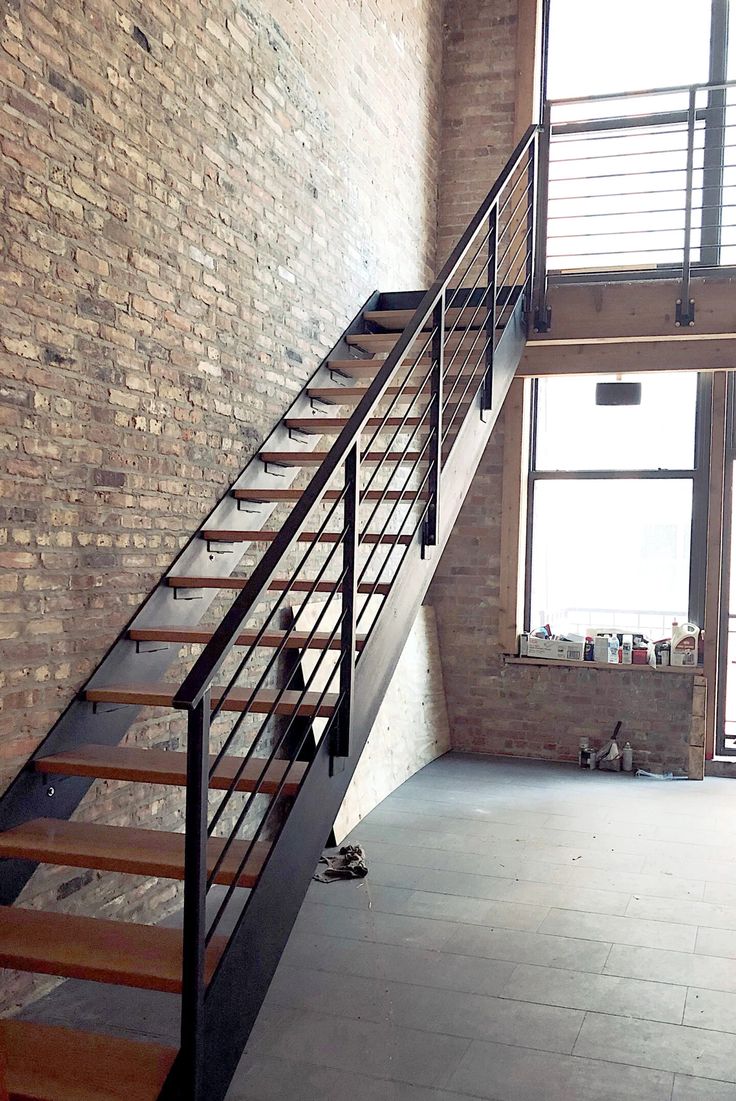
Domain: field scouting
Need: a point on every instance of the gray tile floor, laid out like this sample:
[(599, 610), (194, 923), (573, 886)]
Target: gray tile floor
[(528, 932)]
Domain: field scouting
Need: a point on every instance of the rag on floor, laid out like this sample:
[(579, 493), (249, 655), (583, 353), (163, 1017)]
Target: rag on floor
[(349, 863)]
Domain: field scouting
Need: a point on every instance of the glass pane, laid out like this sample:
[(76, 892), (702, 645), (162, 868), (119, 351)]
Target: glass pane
[(573, 433), (656, 44), (611, 554)]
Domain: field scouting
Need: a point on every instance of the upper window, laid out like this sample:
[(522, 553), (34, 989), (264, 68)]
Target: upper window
[(629, 61), (614, 507)]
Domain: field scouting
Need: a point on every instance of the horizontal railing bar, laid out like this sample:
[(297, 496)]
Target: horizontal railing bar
[(605, 96)]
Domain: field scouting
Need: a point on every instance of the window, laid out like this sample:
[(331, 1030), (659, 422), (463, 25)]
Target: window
[(616, 526)]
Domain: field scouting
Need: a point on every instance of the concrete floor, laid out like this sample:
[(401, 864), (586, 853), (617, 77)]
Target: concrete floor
[(528, 932)]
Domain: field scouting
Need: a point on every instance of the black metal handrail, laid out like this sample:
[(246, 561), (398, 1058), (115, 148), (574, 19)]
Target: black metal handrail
[(457, 323)]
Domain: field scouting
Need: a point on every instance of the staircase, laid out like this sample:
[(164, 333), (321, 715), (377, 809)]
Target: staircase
[(340, 538)]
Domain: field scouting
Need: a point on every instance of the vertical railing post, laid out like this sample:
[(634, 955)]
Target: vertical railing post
[(486, 400), (430, 533), (542, 313), (685, 306), (340, 747), (532, 230), (195, 895)]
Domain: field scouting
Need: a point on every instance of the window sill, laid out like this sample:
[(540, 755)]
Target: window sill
[(688, 671)]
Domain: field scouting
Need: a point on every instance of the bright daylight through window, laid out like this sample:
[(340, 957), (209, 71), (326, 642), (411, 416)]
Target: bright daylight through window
[(611, 506)]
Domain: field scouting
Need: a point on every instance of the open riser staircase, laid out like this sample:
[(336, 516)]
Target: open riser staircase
[(324, 547)]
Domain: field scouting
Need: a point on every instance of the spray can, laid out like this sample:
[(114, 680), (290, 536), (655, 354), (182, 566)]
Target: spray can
[(628, 758)]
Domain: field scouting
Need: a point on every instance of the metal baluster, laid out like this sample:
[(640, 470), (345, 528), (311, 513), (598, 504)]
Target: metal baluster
[(532, 232), (343, 720), (486, 398), (685, 306), (430, 533), (195, 894), (542, 312)]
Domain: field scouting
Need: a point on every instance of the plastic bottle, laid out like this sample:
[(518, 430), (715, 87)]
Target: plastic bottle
[(628, 758)]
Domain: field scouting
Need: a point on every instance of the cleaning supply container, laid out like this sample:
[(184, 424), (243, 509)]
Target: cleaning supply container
[(684, 645)]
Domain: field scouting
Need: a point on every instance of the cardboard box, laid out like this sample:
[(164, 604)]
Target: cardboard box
[(554, 648)]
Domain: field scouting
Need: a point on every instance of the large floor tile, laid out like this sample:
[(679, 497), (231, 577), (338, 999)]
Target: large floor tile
[(380, 1050), (689, 911), (620, 930), (401, 963), (655, 1001), (702, 1089), (516, 1074), (714, 1009), (551, 951), (680, 968), (678, 1048)]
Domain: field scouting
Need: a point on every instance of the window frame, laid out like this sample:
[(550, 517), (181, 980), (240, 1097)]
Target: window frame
[(698, 475)]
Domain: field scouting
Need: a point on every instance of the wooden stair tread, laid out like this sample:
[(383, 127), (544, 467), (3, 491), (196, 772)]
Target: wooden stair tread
[(397, 320), (348, 395), (279, 584), (215, 535), (316, 458), (384, 342), (158, 766), (293, 640), (368, 368), (265, 496), (124, 849), (238, 699), (145, 956), (47, 1063), (334, 424)]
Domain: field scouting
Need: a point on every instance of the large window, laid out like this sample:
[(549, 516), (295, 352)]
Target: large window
[(616, 498)]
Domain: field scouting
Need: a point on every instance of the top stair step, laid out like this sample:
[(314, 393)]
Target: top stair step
[(145, 956), (46, 1063)]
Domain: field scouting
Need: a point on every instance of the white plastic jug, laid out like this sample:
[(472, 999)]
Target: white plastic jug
[(684, 645)]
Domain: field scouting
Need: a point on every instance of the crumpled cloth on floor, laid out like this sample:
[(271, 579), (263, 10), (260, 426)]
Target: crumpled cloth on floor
[(348, 863)]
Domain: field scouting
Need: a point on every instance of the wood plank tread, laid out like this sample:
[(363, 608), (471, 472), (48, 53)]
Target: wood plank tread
[(344, 395), (238, 699), (265, 496), (384, 342), (215, 535), (293, 640), (158, 766), (316, 458), (279, 584), (71, 946), (334, 424), (397, 320), (124, 849), (47, 1063), (368, 368)]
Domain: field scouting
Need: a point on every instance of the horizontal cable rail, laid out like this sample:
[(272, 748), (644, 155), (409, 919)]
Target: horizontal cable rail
[(640, 182), (343, 565)]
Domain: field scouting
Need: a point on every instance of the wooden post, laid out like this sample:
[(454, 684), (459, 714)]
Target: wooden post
[(513, 513), (714, 555)]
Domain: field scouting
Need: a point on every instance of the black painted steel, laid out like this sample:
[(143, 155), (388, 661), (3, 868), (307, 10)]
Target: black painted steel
[(435, 477)]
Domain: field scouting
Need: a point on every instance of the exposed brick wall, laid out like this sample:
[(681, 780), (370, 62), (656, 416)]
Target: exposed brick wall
[(479, 77), (493, 707), (196, 196)]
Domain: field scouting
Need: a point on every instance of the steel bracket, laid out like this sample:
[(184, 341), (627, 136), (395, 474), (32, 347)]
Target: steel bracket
[(684, 315)]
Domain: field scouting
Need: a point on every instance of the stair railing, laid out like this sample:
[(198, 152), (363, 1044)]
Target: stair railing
[(439, 373)]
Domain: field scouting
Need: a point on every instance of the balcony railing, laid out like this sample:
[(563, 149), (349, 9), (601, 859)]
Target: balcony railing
[(642, 183)]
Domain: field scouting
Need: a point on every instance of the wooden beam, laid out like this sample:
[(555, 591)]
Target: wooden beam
[(528, 65), (543, 358), (513, 513), (714, 552), (618, 309)]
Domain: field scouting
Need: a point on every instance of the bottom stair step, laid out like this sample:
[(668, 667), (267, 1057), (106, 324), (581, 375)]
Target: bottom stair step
[(124, 849), (45, 1063), (74, 947)]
